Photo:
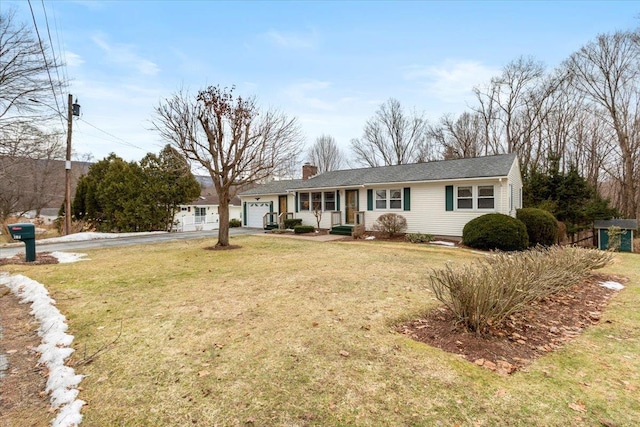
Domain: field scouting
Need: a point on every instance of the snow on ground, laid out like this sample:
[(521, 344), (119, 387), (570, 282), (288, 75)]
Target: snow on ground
[(443, 243), (91, 235), (610, 284), (62, 383), (3, 359), (66, 257)]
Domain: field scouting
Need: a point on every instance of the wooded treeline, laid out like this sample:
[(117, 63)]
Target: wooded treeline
[(584, 114)]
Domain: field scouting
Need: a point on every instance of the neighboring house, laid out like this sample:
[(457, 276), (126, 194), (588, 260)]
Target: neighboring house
[(438, 198), (202, 213)]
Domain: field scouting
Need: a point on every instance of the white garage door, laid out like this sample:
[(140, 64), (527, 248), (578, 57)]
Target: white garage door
[(255, 213)]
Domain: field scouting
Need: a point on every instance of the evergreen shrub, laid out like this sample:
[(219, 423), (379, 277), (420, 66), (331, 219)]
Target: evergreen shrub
[(290, 223), (542, 226), (235, 222), (496, 231), (301, 229)]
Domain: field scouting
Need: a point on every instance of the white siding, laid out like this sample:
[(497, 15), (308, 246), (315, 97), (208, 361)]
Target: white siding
[(515, 179), (428, 212)]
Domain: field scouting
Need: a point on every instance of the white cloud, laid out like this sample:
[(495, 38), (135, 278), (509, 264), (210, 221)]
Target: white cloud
[(73, 59), (451, 81), (125, 55), (290, 40), (305, 94)]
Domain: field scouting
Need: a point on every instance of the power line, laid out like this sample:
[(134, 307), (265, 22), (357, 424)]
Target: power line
[(46, 63), (122, 141), (57, 68)]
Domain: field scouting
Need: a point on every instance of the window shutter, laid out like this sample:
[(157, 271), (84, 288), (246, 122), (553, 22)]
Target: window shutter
[(449, 197), (407, 199), (244, 213), (296, 202), (370, 200), (337, 200)]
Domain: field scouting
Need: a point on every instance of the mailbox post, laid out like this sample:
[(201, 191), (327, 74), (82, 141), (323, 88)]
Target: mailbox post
[(27, 234)]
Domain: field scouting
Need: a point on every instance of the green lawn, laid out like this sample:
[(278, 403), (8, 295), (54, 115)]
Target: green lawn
[(287, 332)]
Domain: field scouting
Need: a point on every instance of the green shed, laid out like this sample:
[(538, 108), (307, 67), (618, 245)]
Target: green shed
[(627, 226)]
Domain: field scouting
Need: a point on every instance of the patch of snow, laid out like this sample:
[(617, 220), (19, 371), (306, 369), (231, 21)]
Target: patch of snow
[(3, 360), (62, 382), (610, 284), (370, 238), (91, 235), (66, 257), (443, 243)]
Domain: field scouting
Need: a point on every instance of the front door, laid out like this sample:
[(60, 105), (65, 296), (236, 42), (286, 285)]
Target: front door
[(351, 206), (282, 204)]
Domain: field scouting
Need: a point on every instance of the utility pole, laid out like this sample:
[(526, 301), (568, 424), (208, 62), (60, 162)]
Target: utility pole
[(67, 166)]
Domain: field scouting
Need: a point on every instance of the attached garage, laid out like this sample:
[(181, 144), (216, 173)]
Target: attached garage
[(627, 229), (254, 213)]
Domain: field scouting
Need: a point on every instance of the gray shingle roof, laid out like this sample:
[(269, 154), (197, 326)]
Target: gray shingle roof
[(478, 167), (625, 224)]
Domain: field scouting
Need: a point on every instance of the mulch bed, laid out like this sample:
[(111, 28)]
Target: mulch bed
[(545, 327), (41, 259)]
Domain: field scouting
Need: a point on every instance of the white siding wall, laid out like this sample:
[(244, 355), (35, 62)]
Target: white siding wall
[(515, 180), (428, 212)]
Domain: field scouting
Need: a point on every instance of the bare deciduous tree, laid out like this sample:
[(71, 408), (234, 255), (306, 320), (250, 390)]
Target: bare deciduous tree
[(607, 72), (229, 136), (461, 137), (27, 72), (392, 137), (325, 154)]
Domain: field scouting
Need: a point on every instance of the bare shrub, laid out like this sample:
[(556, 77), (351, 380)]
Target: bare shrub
[(358, 231), (485, 293), (390, 225)]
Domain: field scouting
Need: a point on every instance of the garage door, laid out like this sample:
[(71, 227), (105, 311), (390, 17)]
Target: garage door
[(255, 213)]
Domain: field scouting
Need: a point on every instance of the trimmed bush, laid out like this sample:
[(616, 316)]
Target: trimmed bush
[(418, 238), (292, 222), (484, 294), (496, 231), (301, 229), (542, 226), (390, 224), (235, 222)]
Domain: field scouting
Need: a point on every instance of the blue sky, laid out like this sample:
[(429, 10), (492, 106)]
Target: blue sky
[(328, 63)]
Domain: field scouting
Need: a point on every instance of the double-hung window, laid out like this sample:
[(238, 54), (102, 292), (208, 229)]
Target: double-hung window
[(316, 201), (329, 201), (465, 197), (389, 199), (485, 197), (381, 199), (304, 201)]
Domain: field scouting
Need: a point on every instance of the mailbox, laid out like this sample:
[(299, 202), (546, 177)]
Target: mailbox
[(27, 234)]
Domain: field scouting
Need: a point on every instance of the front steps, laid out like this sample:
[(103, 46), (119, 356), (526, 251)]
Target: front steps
[(342, 230)]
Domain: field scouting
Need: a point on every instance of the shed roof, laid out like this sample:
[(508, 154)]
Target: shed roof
[(625, 224)]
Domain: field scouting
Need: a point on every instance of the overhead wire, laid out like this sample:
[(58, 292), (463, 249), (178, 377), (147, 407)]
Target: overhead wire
[(57, 68), (46, 63)]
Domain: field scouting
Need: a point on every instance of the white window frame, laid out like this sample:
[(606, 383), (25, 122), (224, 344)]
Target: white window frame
[(387, 199), (324, 201), (458, 198), (475, 198), (492, 197), (301, 207)]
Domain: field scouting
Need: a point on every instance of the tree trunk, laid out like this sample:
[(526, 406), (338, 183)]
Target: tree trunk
[(223, 217)]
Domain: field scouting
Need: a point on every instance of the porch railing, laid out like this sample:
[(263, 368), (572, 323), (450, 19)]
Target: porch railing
[(282, 217), (270, 218), (336, 218), (359, 218)]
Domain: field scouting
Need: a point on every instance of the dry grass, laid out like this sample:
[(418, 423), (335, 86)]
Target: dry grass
[(291, 333)]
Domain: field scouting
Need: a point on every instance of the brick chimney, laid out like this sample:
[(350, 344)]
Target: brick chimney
[(308, 170)]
